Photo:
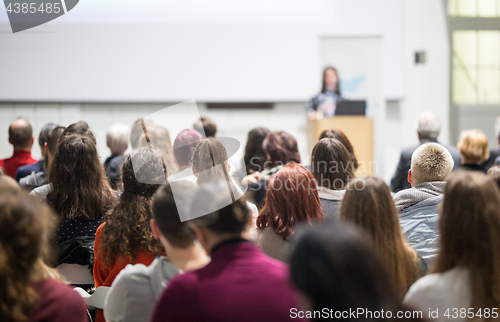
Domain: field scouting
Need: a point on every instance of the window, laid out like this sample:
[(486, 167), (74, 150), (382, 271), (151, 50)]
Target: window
[(475, 49)]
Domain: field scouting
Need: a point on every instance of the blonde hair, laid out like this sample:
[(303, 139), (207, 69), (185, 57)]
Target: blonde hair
[(431, 162), (8, 185), (473, 146)]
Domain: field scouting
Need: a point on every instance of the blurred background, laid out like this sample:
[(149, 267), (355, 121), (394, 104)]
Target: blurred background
[(256, 63)]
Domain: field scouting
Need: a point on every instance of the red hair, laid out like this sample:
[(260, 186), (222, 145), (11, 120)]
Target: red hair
[(291, 198)]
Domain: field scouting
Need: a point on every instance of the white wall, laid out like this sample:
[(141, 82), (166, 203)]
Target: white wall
[(108, 65)]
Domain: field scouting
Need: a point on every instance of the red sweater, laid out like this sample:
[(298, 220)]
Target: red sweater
[(104, 276), (18, 159)]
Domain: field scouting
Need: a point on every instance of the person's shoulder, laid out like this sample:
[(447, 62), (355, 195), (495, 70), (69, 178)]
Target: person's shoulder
[(54, 292)]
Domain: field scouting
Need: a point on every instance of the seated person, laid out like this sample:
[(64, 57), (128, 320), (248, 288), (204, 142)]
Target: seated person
[(240, 283), (37, 179), (494, 173), (473, 146), (332, 167), (428, 130), (135, 290), (117, 142), (184, 145), (21, 138), (42, 163), (431, 163), (126, 237)]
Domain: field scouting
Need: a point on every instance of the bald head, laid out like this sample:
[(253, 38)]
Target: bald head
[(21, 134)]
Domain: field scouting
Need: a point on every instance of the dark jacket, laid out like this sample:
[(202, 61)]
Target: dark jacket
[(113, 168), (26, 170), (399, 180), (240, 284)]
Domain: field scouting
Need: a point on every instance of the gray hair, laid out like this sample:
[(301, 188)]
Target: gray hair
[(117, 138), (497, 127), (429, 126)]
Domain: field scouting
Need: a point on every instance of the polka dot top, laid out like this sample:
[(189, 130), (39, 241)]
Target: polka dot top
[(70, 228)]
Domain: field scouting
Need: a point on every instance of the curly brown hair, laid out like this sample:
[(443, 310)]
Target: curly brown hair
[(127, 229)]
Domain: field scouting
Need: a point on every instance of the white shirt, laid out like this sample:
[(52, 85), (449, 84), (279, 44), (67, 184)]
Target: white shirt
[(442, 291), (136, 289)]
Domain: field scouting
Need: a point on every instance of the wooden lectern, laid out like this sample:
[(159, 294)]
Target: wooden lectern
[(359, 130)]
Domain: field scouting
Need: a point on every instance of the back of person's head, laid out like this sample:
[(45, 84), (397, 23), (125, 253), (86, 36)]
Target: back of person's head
[(334, 267), (44, 134), (473, 146), (184, 144), (340, 135), (497, 129), (24, 234), (210, 161), (255, 157), (227, 219), (158, 137), (431, 162), (21, 134), (117, 138), (494, 174), (205, 126), (165, 208), (291, 198), (79, 185), (281, 148), (127, 229), (53, 139), (368, 203), (428, 126), (8, 185), (137, 130), (469, 226), (331, 164), (79, 128)]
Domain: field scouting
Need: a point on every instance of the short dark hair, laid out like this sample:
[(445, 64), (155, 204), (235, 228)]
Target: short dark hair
[(79, 128), (21, 137), (166, 213), (44, 133), (53, 137), (204, 124), (281, 148)]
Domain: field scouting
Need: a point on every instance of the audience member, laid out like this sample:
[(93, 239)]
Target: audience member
[(158, 137), (41, 165), (7, 184), (29, 290), (428, 130), (117, 142), (340, 135), (249, 286), (255, 156), (184, 145), (21, 138), (136, 288), (332, 167), (494, 174), (494, 158), (291, 198), (431, 164), (37, 179), (206, 127), (80, 195), (467, 267), (280, 148), (137, 130), (368, 204), (210, 164), (473, 146), (126, 237), (334, 267)]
